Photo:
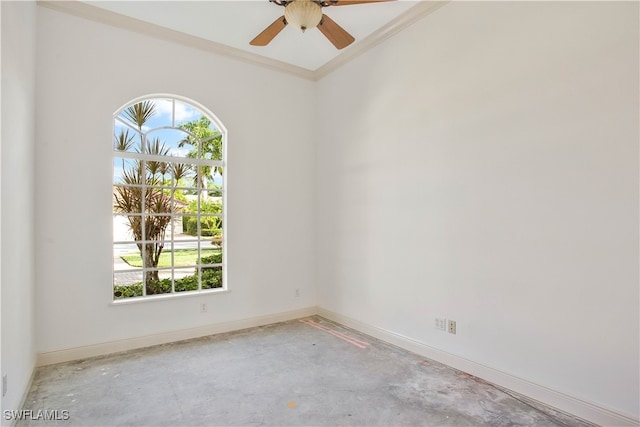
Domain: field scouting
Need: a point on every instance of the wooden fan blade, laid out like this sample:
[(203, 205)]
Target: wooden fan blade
[(265, 37), (335, 33), (350, 2)]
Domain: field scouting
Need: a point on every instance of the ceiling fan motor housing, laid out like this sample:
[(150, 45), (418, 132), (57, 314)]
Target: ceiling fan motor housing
[(303, 14)]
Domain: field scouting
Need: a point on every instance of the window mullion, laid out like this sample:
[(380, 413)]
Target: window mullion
[(173, 231), (143, 221), (169, 158), (199, 226)]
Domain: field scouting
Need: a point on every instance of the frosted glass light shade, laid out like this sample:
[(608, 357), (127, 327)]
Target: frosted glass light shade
[(303, 14)]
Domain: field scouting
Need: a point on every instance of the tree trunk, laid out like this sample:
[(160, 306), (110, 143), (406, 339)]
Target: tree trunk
[(150, 261)]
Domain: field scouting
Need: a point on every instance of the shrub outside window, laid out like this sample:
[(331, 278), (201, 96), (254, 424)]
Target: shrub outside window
[(168, 199)]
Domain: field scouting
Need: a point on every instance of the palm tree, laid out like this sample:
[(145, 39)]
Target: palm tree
[(141, 112), (123, 142), (130, 196), (209, 141)]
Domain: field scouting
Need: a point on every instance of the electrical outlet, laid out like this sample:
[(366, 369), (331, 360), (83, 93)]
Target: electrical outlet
[(4, 385), (441, 323), (297, 292), (452, 326), (203, 307)]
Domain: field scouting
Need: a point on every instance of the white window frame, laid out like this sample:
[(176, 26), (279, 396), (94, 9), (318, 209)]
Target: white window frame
[(174, 159)]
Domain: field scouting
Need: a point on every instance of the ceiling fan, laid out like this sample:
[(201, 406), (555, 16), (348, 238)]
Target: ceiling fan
[(305, 14)]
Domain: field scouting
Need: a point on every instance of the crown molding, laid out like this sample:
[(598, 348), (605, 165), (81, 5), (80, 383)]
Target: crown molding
[(405, 20), (103, 16)]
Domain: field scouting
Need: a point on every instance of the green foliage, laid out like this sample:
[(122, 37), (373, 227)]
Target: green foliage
[(177, 194), (210, 279), (206, 206), (209, 225), (127, 291), (216, 258), (180, 196), (210, 142), (214, 190), (200, 129)]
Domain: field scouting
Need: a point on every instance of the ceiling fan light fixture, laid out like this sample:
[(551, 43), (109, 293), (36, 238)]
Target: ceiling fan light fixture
[(303, 14)]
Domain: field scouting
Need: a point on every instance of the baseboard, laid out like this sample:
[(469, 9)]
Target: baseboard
[(66, 355), (588, 410)]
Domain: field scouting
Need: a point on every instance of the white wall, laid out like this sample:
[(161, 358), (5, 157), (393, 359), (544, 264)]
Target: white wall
[(17, 178), (483, 166), (480, 166), (88, 70)]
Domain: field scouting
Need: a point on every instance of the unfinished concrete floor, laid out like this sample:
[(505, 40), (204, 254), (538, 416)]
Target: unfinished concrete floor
[(287, 374)]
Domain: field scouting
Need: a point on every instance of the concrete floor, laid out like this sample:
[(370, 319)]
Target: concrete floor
[(286, 374)]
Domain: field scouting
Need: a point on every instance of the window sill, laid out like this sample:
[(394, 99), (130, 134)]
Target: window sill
[(164, 297)]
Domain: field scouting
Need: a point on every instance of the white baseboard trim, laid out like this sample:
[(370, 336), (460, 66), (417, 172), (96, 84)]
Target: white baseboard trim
[(67, 355), (587, 410)]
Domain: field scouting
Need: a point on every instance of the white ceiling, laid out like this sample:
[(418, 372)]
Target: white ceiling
[(234, 23)]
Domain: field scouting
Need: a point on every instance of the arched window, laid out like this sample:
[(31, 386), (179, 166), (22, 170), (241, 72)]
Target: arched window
[(168, 199)]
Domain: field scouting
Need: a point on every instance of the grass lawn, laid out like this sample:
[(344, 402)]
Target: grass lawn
[(182, 257)]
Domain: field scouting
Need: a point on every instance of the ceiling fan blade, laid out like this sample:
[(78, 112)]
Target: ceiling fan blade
[(350, 2), (335, 33), (265, 37)]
